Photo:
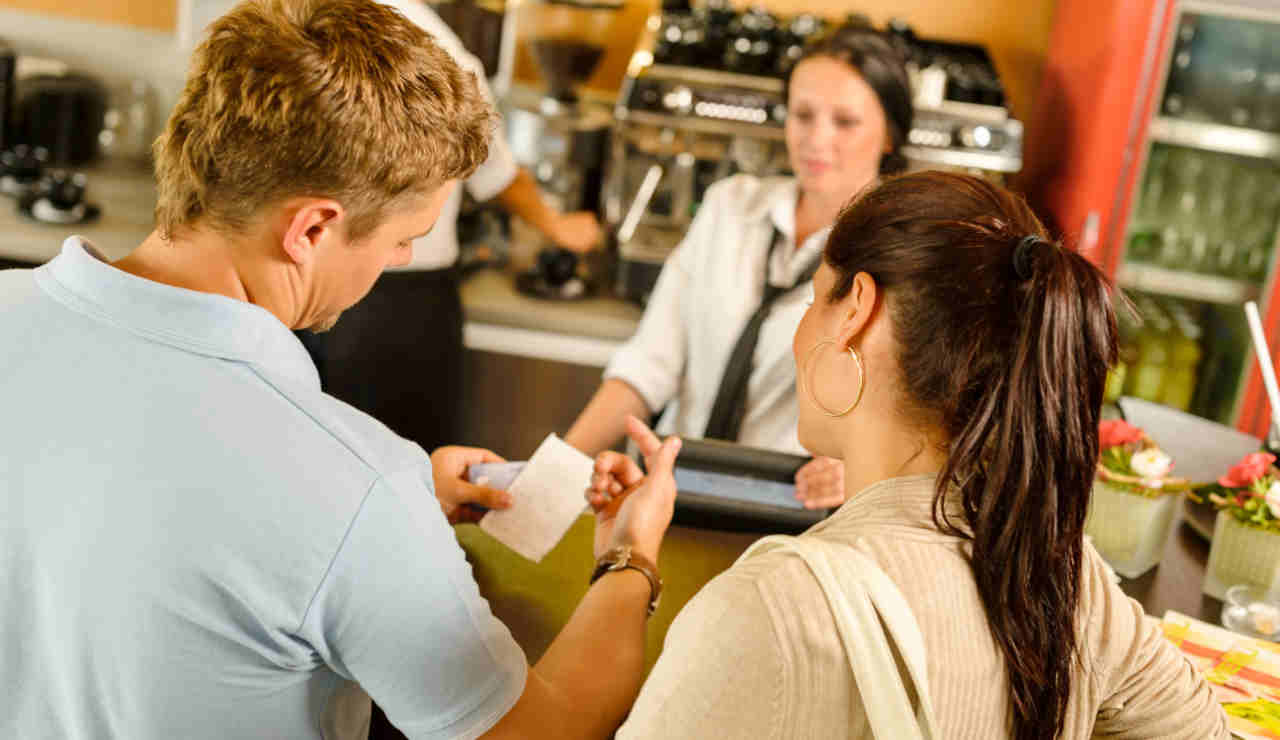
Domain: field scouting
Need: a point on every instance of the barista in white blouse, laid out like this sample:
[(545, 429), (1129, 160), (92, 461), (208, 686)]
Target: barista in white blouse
[(849, 109)]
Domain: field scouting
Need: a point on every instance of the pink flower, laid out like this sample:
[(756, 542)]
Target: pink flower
[(1250, 468), (1113, 432)]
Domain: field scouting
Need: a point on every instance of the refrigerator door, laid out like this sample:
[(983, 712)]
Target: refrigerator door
[(1201, 212)]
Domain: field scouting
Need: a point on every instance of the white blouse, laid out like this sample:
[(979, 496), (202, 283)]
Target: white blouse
[(439, 248), (708, 289)]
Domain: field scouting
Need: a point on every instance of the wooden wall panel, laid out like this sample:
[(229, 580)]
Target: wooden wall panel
[(161, 15)]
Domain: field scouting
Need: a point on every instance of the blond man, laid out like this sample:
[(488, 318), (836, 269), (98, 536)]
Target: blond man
[(408, 330), (195, 542)]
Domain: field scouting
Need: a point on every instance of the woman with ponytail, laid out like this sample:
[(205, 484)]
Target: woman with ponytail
[(953, 358)]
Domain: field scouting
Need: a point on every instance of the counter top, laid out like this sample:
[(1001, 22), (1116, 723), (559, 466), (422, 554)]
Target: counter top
[(127, 198), (581, 332), (498, 318), (490, 297)]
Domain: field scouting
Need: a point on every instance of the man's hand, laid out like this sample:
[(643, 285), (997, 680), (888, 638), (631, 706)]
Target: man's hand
[(820, 483), (577, 232), (631, 508), (456, 495)]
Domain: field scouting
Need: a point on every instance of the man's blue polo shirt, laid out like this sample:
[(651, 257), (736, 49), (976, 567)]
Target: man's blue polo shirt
[(195, 542)]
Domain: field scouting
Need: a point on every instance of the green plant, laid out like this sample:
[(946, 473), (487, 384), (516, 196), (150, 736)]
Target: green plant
[(1131, 462), (1249, 492)]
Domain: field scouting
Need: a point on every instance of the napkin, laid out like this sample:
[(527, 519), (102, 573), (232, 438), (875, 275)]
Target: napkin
[(547, 497)]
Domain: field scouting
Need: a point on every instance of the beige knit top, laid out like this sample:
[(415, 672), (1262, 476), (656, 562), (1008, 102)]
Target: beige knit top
[(756, 653)]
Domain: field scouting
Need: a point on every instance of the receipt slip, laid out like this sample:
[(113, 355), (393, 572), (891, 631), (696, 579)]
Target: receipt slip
[(547, 497)]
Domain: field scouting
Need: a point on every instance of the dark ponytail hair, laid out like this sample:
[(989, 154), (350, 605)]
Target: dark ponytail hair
[(875, 60), (1003, 346)]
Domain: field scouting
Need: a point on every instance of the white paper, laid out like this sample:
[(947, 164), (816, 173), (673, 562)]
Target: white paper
[(547, 497)]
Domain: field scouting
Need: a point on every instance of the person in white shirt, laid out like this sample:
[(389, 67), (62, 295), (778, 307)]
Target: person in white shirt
[(849, 109), (388, 374)]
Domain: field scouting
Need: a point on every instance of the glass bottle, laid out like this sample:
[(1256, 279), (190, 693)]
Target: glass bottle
[(1216, 223), (1255, 248), (1146, 379), (1243, 72), (1184, 359), (1266, 114), (1127, 328), (1223, 212), (1179, 87), (1183, 241), (1144, 240)]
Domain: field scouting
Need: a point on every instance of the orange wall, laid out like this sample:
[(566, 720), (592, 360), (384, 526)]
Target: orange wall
[(1015, 31), (155, 14)]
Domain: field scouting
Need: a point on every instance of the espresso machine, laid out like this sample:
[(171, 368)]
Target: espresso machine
[(700, 102), (704, 98), (679, 130), (559, 134)]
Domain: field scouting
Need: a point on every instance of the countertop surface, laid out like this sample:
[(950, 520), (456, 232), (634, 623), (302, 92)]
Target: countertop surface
[(490, 297), (127, 199)]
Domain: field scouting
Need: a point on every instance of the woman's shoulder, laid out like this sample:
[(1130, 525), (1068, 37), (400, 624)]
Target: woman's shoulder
[(768, 580), (769, 600)]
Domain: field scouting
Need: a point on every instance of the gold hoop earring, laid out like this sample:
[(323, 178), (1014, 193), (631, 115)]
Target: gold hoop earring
[(862, 379)]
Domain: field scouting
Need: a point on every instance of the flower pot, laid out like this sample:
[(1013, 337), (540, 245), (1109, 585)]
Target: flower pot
[(1241, 554), (1129, 530)]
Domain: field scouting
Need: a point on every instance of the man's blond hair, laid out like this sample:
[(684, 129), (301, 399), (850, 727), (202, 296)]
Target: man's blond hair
[(345, 99)]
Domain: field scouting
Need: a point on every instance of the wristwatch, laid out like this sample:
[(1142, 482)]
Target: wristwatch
[(620, 558)]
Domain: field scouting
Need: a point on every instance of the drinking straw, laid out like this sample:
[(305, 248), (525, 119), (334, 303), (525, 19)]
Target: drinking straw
[(641, 202), (1264, 359)]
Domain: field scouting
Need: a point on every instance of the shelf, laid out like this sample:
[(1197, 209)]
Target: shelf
[(1216, 138), (715, 78), (1190, 285), (993, 161), (702, 125)]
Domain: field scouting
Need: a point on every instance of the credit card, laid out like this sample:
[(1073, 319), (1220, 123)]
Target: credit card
[(494, 475)]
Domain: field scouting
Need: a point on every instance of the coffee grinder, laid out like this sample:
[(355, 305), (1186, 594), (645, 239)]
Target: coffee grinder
[(560, 137)]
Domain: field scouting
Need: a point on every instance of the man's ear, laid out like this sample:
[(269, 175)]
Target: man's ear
[(859, 306), (309, 222)]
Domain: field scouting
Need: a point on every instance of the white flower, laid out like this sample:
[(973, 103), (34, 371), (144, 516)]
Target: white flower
[(1273, 499), (1151, 463)]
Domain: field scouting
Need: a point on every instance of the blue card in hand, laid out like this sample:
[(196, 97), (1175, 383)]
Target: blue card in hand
[(494, 475)]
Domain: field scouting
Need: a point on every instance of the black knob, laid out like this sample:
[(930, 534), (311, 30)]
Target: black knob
[(66, 190), (25, 164), (557, 265)]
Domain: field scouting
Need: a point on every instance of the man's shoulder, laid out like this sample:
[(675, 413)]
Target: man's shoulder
[(17, 286), (363, 441)]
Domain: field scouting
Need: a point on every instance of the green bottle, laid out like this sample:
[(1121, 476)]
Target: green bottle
[(1146, 378), (1184, 360)]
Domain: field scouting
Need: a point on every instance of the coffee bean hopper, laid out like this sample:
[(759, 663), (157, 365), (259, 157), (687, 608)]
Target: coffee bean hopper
[(560, 137)]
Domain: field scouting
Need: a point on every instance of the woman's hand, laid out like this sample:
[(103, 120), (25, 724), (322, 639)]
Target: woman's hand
[(632, 508), (456, 495), (820, 483), (577, 232)]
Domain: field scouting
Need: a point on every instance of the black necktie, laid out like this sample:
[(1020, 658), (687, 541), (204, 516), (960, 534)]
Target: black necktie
[(731, 400)]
